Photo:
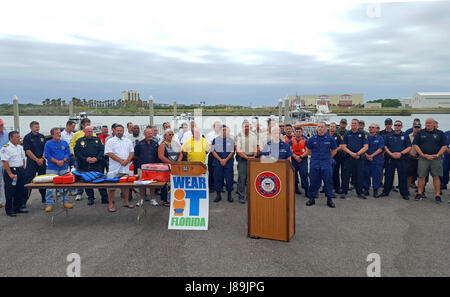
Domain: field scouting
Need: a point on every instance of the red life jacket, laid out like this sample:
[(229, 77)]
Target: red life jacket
[(298, 147)]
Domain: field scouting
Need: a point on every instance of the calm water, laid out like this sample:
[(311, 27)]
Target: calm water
[(48, 122)]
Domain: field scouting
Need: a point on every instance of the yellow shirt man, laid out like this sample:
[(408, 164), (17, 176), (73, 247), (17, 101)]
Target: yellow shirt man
[(196, 149)]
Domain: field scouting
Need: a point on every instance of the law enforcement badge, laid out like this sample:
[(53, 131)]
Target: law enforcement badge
[(268, 184), (82, 143), (42, 139)]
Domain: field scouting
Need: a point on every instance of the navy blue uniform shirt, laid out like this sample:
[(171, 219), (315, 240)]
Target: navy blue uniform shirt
[(320, 147), (34, 143), (397, 142), (355, 140), (280, 151), (223, 147), (376, 142)]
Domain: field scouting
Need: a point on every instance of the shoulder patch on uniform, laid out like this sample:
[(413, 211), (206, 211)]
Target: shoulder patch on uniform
[(6, 145)]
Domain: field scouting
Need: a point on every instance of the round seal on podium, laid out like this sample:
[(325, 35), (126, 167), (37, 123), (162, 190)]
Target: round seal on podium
[(268, 184)]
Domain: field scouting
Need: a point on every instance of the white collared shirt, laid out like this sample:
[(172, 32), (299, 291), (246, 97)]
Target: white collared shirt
[(66, 136), (122, 149), (13, 154)]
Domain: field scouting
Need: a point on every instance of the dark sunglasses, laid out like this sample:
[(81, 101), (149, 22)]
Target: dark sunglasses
[(372, 127), (397, 125)]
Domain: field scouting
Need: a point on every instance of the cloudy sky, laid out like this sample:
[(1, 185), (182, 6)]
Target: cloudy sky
[(234, 51)]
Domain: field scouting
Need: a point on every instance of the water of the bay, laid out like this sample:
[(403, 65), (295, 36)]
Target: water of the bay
[(206, 122)]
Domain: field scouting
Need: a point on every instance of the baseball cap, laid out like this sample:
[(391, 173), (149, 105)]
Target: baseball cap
[(1, 122), (344, 121), (388, 121)]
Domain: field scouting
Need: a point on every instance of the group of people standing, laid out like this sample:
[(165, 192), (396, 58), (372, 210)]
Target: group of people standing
[(335, 158)]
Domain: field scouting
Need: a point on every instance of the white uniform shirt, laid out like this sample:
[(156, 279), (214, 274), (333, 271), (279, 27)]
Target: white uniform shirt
[(213, 135), (14, 155), (122, 149), (66, 136)]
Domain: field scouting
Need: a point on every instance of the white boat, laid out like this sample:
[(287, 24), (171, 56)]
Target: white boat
[(323, 114), (303, 118)]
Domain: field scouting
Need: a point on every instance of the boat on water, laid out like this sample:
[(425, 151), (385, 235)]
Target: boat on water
[(78, 118), (299, 117), (323, 114)]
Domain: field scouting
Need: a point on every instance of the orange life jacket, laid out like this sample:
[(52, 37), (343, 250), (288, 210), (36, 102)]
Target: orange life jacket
[(298, 147), (286, 138)]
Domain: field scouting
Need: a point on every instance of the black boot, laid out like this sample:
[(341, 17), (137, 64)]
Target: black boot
[(375, 193), (218, 197), (90, 201), (330, 203), (311, 202), (230, 199)]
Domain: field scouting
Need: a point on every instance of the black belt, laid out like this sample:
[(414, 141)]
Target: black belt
[(16, 167)]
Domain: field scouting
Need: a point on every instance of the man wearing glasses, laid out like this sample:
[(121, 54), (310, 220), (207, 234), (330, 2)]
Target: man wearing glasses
[(282, 132), (373, 167), (397, 147)]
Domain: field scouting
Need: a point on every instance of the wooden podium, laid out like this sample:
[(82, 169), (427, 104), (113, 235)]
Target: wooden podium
[(271, 203)]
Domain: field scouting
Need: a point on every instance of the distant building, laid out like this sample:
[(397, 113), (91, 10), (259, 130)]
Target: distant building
[(406, 102), (372, 105), (431, 100), (131, 95), (340, 100)]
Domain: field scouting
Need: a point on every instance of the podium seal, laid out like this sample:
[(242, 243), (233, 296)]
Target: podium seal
[(268, 184)]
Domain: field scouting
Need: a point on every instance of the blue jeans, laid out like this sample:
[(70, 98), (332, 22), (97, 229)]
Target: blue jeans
[(49, 192)]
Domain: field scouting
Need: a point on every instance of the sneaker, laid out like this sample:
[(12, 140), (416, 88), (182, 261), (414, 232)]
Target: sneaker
[(78, 198), (154, 203), (405, 197), (242, 200), (418, 197), (342, 196), (438, 199), (139, 203), (49, 208), (68, 205)]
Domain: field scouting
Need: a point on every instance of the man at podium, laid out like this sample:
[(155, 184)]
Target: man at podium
[(276, 148), (322, 147)]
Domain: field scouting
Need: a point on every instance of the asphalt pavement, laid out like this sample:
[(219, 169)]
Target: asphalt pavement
[(412, 238)]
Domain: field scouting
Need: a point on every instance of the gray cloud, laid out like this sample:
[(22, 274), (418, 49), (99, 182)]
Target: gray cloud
[(404, 51)]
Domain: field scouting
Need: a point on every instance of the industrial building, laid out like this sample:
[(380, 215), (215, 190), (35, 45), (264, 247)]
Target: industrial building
[(338, 100), (430, 100)]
